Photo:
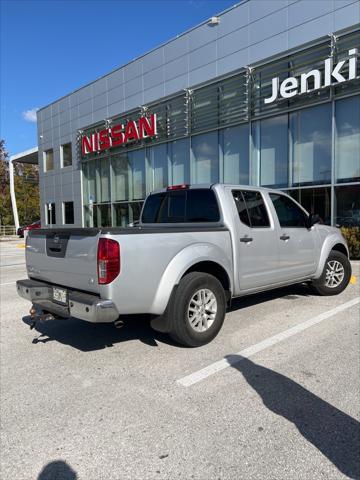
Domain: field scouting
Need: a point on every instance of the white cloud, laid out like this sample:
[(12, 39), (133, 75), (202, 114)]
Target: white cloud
[(30, 115)]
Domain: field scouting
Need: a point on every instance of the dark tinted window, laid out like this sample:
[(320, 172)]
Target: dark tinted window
[(251, 208), (289, 214), (202, 206), (181, 206), (241, 208), (172, 208), (68, 212), (152, 206), (256, 209)]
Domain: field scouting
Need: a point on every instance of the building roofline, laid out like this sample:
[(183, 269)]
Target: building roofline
[(144, 54)]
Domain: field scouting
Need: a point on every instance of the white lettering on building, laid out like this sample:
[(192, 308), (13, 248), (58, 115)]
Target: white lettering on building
[(292, 86)]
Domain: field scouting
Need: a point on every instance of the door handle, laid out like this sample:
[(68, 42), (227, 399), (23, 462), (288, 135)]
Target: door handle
[(246, 239), (284, 237)]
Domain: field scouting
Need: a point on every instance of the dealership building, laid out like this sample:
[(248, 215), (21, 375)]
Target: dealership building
[(266, 93)]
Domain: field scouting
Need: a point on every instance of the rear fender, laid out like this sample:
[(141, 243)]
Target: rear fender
[(327, 246), (183, 260)]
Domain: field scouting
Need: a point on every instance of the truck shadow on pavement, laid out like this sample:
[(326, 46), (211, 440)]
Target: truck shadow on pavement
[(334, 433), (88, 337)]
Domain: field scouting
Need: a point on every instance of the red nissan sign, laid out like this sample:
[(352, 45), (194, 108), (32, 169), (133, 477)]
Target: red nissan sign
[(120, 134)]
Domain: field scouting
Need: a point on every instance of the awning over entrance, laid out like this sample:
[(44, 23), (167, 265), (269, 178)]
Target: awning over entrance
[(30, 157)]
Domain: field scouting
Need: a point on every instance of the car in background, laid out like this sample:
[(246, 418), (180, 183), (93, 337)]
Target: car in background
[(32, 226)]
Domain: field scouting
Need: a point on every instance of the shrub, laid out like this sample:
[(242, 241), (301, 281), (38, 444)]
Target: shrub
[(352, 236)]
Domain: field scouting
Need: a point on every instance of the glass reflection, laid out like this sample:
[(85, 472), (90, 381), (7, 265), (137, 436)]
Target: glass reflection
[(310, 151), (347, 139), (236, 154), (205, 151)]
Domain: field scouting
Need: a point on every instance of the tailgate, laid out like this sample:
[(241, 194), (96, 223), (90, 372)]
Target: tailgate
[(65, 257)]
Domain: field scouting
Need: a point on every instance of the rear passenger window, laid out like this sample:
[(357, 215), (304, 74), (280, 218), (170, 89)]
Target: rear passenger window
[(241, 208), (251, 208), (152, 207), (181, 207), (289, 214), (202, 206)]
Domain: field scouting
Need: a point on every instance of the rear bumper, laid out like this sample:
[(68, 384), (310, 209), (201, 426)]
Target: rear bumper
[(85, 306)]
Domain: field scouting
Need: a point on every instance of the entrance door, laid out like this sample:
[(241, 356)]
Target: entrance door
[(297, 243), (257, 258)]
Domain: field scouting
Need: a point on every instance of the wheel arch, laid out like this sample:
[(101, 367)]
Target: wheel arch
[(214, 269), (339, 247), (332, 242), (209, 257)]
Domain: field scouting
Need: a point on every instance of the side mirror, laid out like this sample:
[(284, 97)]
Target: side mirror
[(313, 219)]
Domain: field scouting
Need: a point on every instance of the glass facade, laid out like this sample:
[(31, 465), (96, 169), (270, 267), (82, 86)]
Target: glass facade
[(307, 145)]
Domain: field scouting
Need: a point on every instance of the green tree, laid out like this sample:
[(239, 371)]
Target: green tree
[(26, 178)]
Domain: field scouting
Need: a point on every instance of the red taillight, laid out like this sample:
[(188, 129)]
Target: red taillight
[(183, 186), (108, 260)]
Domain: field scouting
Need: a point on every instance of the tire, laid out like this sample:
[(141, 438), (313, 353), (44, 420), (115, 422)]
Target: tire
[(196, 318), (342, 265)]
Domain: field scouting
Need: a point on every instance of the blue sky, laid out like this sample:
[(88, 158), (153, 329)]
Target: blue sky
[(49, 48)]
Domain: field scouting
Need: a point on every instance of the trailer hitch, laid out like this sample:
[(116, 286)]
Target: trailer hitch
[(39, 317)]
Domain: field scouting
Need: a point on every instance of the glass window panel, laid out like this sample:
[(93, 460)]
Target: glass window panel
[(104, 179), (68, 213), (241, 208), (120, 178), (295, 194), (236, 154), (205, 150), (66, 155), (289, 214), (121, 214), (137, 163), (91, 172), (85, 176), (89, 215), (347, 139), (317, 201), (256, 209), (202, 206), (347, 210), (311, 145), (159, 166), (103, 216), (152, 207), (181, 206), (48, 160), (180, 161), (135, 211), (272, 148)]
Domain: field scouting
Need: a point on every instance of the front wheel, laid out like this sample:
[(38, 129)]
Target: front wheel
[(336, 275), (198, 309)]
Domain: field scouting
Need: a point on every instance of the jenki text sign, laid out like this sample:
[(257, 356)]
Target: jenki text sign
[(120, 134), (332, 74)]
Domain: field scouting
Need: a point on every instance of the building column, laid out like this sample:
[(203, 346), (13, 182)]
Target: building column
[(12, 194)]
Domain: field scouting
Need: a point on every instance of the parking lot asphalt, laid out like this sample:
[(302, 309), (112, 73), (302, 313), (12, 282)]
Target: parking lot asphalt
[(275, 396)]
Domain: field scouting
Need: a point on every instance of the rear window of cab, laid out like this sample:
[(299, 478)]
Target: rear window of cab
[(181, 206)]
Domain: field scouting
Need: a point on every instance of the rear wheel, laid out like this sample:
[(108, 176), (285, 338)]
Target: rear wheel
[(198, 309), (336, 275)]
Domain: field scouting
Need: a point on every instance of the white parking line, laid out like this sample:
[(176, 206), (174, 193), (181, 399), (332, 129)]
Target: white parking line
[(7, 283), (258, 347)]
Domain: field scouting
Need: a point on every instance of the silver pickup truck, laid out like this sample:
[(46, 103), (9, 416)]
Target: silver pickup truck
[(194, 249)]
